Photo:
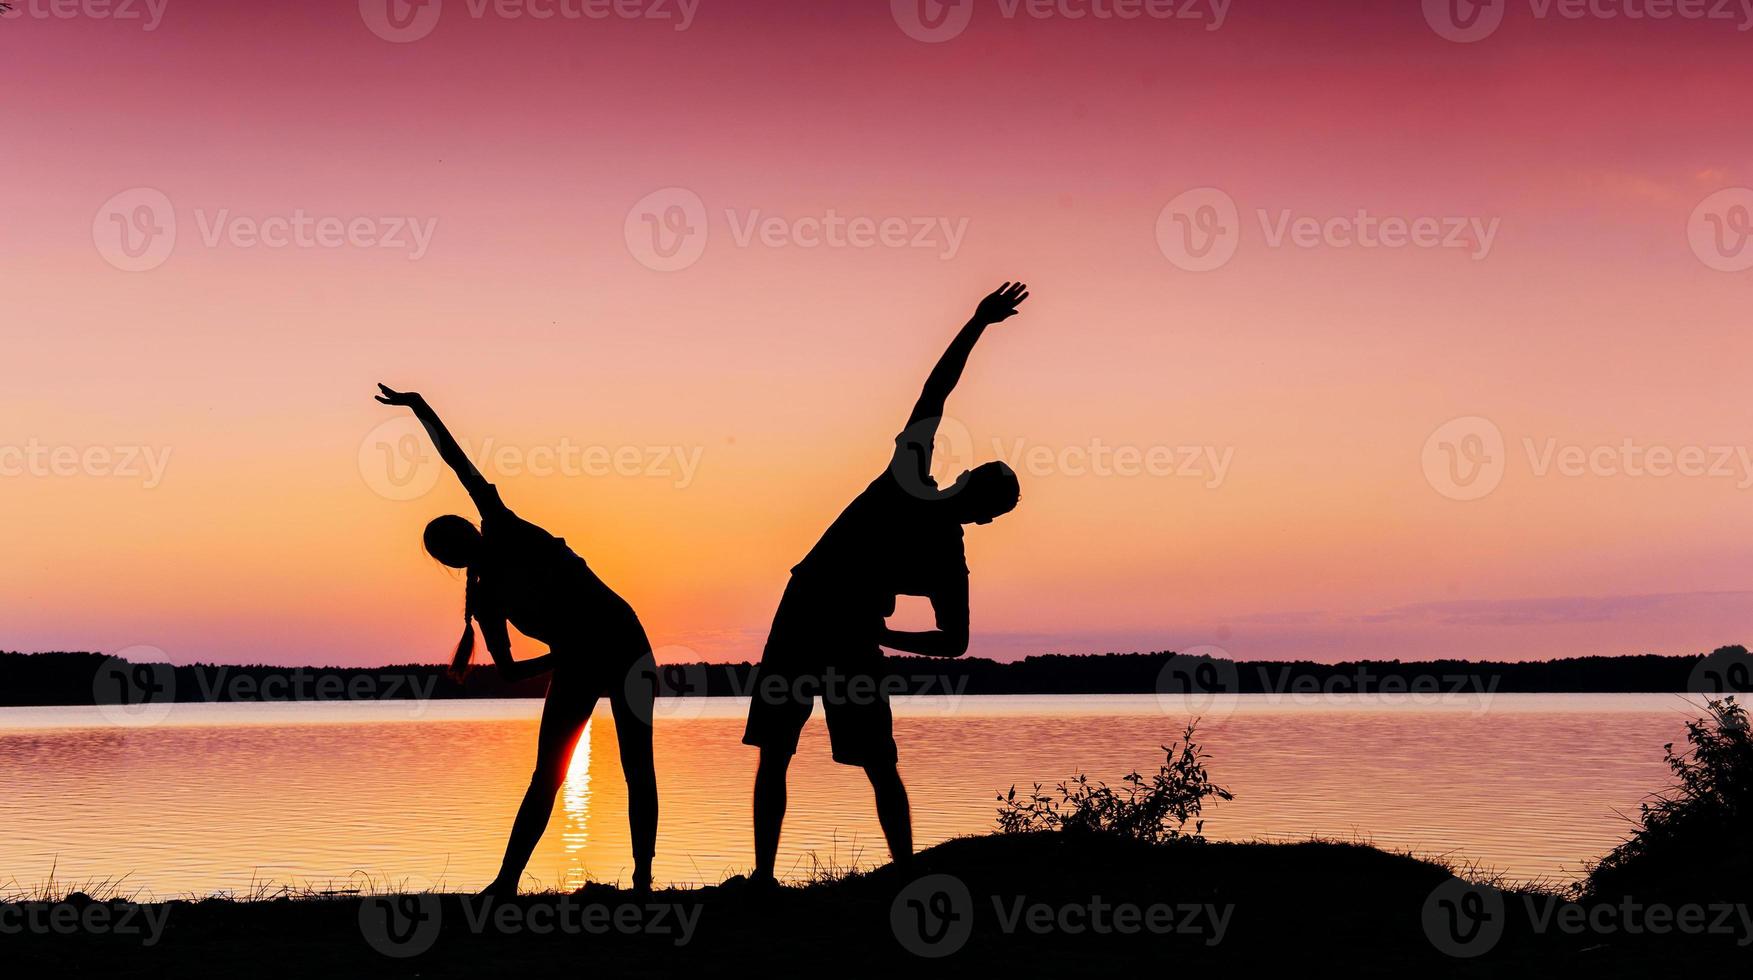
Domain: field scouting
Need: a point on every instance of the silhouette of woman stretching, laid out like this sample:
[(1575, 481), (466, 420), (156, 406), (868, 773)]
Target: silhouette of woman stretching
[(519, 573)]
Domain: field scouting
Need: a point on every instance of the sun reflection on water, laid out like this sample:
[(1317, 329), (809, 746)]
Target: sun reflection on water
[(575, 802)]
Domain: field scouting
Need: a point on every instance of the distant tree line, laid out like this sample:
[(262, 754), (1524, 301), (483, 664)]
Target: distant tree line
[(92, 678)]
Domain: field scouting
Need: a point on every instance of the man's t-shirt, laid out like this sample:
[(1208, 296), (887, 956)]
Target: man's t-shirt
[(891, 540), (538, 583)]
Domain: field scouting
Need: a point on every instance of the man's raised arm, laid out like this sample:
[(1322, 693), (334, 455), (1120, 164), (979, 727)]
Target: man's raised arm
[(921, 431)]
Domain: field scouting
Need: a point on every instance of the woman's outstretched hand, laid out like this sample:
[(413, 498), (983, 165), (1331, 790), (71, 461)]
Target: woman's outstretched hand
[(391, 396), (1002, 304)]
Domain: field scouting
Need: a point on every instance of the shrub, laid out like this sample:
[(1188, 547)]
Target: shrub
[(1154, 810), (1692, 842)]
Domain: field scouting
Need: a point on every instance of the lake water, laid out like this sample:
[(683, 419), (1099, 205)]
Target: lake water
[(227, 797)]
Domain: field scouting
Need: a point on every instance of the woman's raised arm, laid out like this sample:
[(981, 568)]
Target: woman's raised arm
[(483, 493)]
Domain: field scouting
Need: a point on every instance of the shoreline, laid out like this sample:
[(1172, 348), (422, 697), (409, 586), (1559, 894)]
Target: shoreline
[(75, 679)]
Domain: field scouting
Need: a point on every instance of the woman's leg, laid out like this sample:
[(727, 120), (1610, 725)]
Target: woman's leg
[(563, 719), (633, 701)]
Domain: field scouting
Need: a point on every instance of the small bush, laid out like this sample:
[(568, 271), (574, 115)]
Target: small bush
[(1154, 810), (1692, 842)]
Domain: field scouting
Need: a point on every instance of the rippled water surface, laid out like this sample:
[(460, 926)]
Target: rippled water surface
[(225, 797)]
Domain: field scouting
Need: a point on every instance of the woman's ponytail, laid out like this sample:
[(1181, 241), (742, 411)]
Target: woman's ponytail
[(459, 662)]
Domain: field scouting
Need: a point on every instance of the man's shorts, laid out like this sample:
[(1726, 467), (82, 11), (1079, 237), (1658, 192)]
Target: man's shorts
[(808, 657)]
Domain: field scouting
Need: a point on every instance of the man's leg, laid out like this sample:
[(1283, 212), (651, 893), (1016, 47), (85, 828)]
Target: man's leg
[(893, 811), (769, 807)]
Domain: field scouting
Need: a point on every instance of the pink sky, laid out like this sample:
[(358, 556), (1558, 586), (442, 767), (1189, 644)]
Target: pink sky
[(1049, 147)]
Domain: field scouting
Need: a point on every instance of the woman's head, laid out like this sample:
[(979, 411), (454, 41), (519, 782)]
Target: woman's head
[(453, 541), (988, 491)]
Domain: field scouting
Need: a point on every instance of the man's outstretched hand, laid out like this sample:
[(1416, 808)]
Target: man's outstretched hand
[(391, 396), (1002, 304)]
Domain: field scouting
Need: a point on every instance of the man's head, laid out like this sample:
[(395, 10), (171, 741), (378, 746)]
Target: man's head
[(985, 492)]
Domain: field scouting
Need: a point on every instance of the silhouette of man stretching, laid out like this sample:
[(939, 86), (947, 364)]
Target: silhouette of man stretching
[(901, 536), (519, 573)]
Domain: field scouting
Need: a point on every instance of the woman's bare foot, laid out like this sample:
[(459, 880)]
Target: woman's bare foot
[(498, 889)]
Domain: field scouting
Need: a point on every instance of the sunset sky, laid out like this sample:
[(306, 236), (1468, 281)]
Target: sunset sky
[(540, 156)]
